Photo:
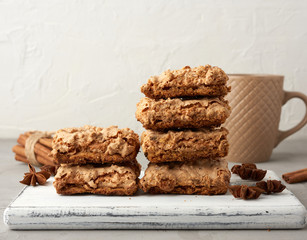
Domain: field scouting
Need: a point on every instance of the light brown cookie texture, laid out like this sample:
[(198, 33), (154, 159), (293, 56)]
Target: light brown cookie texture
[(90, 144), (107, 179), (182, 113), (185, 145), (209, 177), (188, 82)]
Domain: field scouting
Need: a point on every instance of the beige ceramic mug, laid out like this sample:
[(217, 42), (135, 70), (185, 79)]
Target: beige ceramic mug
[(256, 102)]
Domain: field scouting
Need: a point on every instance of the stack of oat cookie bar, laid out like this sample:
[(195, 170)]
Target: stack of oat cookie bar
[(182, 112), (96, 160)]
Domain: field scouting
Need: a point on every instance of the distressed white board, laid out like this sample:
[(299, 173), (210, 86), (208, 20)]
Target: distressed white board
[(41, 208)]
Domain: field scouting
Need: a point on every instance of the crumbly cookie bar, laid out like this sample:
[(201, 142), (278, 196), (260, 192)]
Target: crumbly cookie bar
[(187, 82), (200, 177), (182, 113), (186, 145), (90, 144), (107, 179)]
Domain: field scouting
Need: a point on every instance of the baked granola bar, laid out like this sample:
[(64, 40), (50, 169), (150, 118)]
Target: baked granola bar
[(187, 82), (200, 177), (182, 113), (90, 144), (106, 179), (186, 145)]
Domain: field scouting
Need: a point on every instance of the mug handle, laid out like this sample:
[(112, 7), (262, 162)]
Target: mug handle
[(284, 134)]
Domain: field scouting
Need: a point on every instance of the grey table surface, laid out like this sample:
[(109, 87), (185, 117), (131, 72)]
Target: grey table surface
[(290, 155)]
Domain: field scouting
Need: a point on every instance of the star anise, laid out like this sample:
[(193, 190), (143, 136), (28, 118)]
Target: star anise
[(33, 177), (249, 171), (245, 192), (51, 169), (271, 186)]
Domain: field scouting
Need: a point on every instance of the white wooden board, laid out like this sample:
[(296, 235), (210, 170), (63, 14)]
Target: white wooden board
[(41, 208)]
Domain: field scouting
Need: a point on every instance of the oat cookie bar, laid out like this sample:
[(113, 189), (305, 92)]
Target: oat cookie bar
[(200, 177), (187, 82), (186, 145), (182, 113), (106, 179), (90, 144)]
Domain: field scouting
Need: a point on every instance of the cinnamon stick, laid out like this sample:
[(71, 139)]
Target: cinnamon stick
[(20, 151), (44, 141), (21, 158), (39, 149), (296, 176)]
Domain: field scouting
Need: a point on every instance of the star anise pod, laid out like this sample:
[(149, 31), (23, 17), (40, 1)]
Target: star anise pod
[(245, 192), (235, 169), (33, 177), (49, 168), (271, 186), (249, 171)]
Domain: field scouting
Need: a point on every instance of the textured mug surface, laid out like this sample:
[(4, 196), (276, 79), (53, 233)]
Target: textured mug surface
[(256, 102)]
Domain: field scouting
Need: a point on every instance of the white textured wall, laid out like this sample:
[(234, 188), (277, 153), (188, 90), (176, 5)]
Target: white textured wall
[(69, 63)]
